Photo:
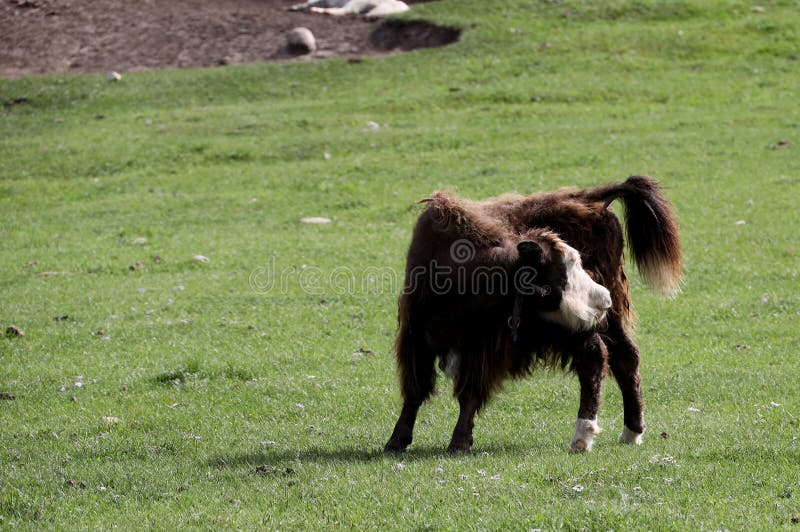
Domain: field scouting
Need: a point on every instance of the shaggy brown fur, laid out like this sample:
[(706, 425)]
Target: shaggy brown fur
[(508, 234)]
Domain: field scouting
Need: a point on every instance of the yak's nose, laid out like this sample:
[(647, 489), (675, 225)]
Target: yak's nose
[(603, 300)]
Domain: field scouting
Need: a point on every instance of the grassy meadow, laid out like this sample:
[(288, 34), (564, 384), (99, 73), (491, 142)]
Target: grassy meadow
[(256, 390)]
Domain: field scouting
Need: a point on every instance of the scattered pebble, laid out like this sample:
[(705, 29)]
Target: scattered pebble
[(199, 258), (373, 126), (326, 156), (113, 76), (110, 420), (315, 220), (740, 222), (12, 331)]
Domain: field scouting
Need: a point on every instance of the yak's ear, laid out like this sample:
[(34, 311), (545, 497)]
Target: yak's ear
[(530, 251)]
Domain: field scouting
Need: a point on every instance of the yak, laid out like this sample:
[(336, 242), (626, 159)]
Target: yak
[(496, 288)]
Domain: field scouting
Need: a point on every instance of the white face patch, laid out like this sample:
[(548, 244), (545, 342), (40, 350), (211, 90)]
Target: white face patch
[(583, 439), (583, 302)]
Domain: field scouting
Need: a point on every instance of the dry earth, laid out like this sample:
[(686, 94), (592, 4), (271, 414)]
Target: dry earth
[(58, 36)]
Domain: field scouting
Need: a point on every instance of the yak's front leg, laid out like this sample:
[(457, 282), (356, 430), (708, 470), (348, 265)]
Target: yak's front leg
[(590, 364)]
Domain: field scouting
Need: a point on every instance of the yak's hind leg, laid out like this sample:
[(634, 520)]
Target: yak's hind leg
[(623, 360), (415, 364), (469, 401), (589, 362)]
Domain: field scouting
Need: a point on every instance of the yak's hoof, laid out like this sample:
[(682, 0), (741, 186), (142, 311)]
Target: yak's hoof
[(583, 440), (396, 446), (458, 448), (630, 437)]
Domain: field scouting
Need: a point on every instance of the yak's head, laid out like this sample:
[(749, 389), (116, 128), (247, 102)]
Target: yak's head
[(554, 279)]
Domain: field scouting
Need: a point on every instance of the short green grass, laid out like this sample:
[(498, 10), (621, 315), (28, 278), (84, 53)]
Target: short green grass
[(239, 404)]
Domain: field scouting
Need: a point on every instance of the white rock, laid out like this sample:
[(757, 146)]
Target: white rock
[(199, 258), (301, 40), (113, 76), (315, 220), (373, 126), (139, 241)]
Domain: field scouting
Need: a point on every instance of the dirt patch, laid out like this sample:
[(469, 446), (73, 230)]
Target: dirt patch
[(58, 36)]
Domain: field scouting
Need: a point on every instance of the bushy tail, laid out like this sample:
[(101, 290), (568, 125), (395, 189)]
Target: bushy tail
[(652, 231)]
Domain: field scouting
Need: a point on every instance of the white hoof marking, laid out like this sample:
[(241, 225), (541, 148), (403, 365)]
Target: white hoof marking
[(583, 439), (629, 436)]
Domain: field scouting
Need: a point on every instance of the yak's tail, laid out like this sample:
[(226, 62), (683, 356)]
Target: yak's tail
[(652, 231)]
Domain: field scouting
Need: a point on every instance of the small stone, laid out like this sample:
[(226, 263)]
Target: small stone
[(12, 331), (6, 396), (315, 220), (758, 9), (136, 266), (665, 435), (110, 420), (199, 258), (113, 76), (373, 126), (139, 241), (301, 41)]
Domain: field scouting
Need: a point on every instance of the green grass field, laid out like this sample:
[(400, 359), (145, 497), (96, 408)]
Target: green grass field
[(208, 374)]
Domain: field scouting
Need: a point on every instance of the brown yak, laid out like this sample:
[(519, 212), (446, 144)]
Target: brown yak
[(494, 287)]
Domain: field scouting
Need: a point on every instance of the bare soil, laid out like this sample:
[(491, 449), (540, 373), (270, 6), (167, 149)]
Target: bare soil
[(58, 36)]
